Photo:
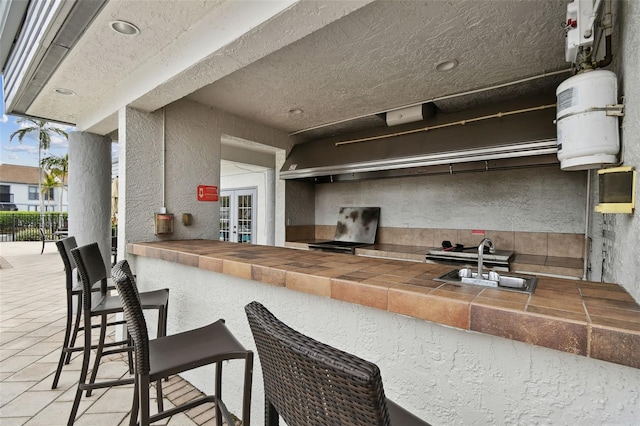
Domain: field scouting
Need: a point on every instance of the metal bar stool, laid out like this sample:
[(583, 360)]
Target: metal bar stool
[(74, 296), (164, 356), (91, 268), (310, 383)]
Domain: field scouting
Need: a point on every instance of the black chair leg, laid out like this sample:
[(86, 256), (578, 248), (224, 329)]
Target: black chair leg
[(65, 345), (159, 396), (271, 417), (246, 400), (162, 325), (99, 349), (76, 327), (165, 317), (143, 392), (83, 377), (162, 331), (135, 407), (218, 393)]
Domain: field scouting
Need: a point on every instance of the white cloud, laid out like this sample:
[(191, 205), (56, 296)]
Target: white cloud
[(22, 148), (4, 118), (12, 156), (64, 127), (59, 141)]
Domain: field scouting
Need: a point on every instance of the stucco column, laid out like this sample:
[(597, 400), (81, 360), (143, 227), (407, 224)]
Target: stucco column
[(90, 191)]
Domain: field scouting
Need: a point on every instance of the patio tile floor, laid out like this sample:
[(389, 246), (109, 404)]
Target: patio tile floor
[(31, 334)]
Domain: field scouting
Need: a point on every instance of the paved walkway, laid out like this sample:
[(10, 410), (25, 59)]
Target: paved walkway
[(32, 320)]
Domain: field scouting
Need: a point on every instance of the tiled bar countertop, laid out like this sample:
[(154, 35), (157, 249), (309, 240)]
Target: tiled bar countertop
[(524, 263), (597, 320)]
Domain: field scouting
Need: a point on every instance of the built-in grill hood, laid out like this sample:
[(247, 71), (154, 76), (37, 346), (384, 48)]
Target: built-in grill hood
[(523, 139)]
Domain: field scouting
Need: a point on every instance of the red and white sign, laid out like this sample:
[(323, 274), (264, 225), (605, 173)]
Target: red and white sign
[(207, 193), (477, 232)]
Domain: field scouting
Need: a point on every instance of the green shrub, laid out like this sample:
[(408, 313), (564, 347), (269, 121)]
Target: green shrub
[(32, 234), (16, 222)]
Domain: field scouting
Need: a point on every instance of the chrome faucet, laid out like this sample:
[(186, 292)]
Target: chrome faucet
[(481, 254)]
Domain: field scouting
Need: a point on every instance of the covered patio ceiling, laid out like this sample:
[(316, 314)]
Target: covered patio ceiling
[(313, 68)]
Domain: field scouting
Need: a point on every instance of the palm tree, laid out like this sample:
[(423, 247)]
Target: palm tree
[(59, 167), (48, 184), (45, 131)]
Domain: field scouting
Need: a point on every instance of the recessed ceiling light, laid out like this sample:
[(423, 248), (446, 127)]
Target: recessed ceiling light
[(447, 65), (64, 92), (124, 28), (295, 111)]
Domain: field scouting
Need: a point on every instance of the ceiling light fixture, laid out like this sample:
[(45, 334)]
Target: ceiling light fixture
[(124, 28), (64, 92), (447, 65), (295, 111)]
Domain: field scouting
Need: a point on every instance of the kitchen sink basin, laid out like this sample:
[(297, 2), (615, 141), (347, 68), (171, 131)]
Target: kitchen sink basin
[(506, 281)]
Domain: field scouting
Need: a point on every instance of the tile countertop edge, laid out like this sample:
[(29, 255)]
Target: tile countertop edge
[(611, 344)]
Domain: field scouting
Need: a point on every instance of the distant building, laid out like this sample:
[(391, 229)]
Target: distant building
[(19, 186)]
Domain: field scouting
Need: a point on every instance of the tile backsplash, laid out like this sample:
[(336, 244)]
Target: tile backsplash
[(531, 243)]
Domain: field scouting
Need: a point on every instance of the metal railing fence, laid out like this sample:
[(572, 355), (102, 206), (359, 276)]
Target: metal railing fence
[(25, 226)]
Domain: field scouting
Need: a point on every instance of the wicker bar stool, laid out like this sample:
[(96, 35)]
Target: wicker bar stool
[(164, 356), (74, 297), (309, 383), (91, 268)]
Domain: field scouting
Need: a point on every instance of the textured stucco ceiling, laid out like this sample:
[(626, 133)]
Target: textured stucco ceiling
[(335, 60), (102, 58), (383, 56)]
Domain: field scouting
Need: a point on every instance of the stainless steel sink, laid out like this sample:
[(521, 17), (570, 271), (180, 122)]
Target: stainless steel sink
[(506, 281)]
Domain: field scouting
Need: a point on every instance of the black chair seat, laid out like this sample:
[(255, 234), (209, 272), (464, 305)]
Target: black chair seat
[(201, 346), (77, 286), (155, 299)]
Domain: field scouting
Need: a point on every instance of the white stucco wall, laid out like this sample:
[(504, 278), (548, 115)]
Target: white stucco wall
[(625, 250), (541, 199), (444, 375), (263, 181), (90, 191), (193, 158), (192, 137), (280, 201), (140, 175)]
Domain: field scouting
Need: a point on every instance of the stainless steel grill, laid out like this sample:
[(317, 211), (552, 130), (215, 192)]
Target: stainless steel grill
[(356, 227), (498, 260)]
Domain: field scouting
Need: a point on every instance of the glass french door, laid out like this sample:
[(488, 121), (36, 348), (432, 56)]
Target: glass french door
[(237, 215)]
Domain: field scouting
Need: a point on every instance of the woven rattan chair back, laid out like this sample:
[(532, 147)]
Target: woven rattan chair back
[(309, 383), (64, 248), (136, 324), (91, 269)]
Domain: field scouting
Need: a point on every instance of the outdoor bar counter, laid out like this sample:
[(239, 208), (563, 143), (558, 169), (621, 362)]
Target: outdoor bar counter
[(330, 297)]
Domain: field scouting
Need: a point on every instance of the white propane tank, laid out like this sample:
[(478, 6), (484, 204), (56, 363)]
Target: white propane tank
[(587, 137)]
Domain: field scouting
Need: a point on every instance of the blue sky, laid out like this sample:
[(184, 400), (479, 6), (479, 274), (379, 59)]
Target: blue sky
[(26, 153)]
